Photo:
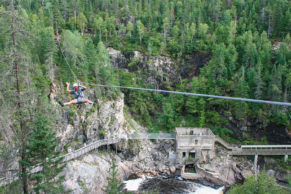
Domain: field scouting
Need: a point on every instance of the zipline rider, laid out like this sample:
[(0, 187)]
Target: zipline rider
[(78, 93)]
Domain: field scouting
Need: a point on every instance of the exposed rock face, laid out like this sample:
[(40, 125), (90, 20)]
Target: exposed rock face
[(221, 170), (117, 59), (88, 173), (193, 64), (82, 125), (227, 170), (158, 69)]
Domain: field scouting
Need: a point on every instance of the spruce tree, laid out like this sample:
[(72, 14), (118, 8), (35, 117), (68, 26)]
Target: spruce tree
[(41, 150), (167, 117), (16, 67), (104, 71), (140, 29), (114, 186), (264, 184)]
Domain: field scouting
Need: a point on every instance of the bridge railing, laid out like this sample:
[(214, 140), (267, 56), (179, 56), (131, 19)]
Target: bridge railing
[(266, 146), (152, 136), (263, 150), (11, 177), (224, 143)]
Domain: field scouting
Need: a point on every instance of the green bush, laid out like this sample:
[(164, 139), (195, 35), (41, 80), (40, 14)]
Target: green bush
[(263, 185)]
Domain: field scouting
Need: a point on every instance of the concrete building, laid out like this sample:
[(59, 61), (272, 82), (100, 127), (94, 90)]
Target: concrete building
[(194, 144)]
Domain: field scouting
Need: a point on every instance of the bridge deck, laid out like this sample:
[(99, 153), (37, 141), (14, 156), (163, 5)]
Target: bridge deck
[(262, 150), (243, 150), (152, 136), (11, 177)]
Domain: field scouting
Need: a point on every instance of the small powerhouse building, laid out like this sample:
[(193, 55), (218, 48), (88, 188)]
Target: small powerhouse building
[(195, 143)]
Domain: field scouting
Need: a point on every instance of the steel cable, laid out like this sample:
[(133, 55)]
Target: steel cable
[(182, 93)]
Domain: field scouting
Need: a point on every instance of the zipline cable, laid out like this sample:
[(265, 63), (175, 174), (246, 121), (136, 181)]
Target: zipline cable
[(67, 62), (182, 93), (196, 94)]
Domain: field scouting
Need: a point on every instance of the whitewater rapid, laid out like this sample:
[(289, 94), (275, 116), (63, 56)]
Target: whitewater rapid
[(134, 185)]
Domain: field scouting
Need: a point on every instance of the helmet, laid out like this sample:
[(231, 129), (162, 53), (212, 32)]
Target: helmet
[(75, 85)]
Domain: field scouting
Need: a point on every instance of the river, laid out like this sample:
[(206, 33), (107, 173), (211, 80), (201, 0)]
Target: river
[(165, 185)]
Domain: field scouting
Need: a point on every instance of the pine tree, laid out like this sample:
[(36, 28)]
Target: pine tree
[(97, 26), (140, 29), (73, 47), (241, 90), (202, 113), (264, 184), (167, 117), (91, 58), (46, 50), (17, 76), (57, 18), (82, 22), (129, 28), (104, 71), (41, 150), (114, 186), (166, 26)]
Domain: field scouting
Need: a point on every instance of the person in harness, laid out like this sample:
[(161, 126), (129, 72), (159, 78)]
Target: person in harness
[(78, 93)]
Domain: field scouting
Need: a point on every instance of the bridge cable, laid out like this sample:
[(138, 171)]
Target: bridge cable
[(182, 93)]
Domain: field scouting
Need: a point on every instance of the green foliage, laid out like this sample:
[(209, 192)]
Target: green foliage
[(167, 118), (41, 150), (236, 37), (71, 115), (104, 72), (102, 132), (114, 186), (14, 187), (264, 184)]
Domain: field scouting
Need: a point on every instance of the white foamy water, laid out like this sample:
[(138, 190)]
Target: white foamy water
[(208, 190), (133, 186)]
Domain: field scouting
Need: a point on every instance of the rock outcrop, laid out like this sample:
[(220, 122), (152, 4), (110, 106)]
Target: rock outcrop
[(159, 70), (89, 172)]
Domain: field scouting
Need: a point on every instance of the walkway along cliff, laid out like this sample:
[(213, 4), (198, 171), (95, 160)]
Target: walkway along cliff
[(191, 143)]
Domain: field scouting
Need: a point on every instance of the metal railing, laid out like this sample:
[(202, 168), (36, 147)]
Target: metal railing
[(262, 150), (235, 150), (11, 177), (152, 136)]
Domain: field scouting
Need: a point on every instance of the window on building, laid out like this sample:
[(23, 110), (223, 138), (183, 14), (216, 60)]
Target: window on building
[(192, 155)]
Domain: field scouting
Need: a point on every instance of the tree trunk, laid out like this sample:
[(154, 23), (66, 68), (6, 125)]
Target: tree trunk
[(19, 104)]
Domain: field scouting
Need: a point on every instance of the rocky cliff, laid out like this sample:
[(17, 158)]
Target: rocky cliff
[(112, 118), (109, 118), (79, 125)]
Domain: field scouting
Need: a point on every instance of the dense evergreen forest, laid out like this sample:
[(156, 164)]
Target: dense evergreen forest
[(245, 44), (242, 47)]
